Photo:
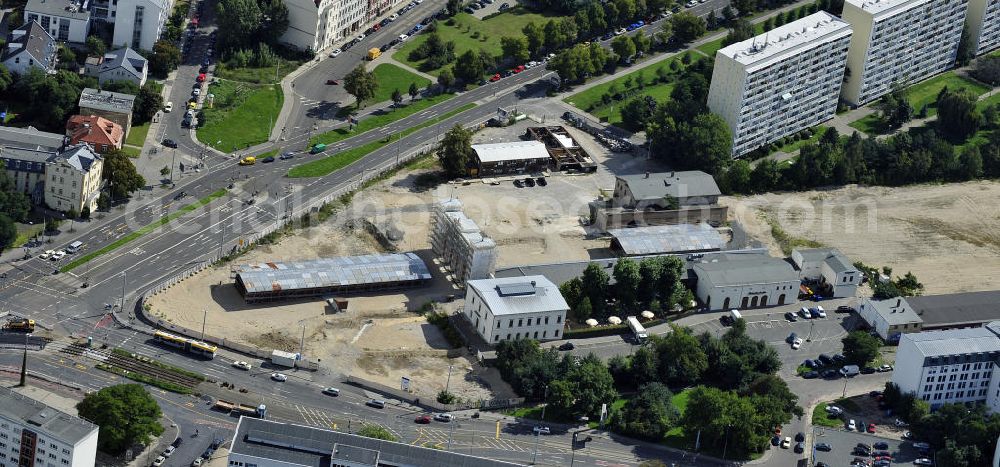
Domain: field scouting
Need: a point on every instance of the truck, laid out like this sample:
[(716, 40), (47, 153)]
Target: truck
[(638, 331), (224, 406), (20, 324), (259, 411), (282, 358), (249, 160), (374, 53)]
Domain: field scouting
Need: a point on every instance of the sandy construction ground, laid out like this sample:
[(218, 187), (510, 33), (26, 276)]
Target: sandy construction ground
[(947, 235)]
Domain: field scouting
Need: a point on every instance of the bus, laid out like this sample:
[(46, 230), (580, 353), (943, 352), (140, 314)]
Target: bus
[(638, 331), (199, 348)]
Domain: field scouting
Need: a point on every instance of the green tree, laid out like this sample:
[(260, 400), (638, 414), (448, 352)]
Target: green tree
[(535, 38), (860, 347), (598, 17), (627, 279), (595, 285), (741, 31), (642, 42), (648, 415), (361, 84), (637, 112), (623, 47), (413, 91), (454, 7), (970, 163), (561, 397), (515, 49), (103, 201), (469, 67), (96, 46), (446, 78), (8, 232), (644, 366), (745, 7), (736, 178), (958, 117), (456, 151), (165, 58), (126, 415), (147, 102), (665, 34), (650, 270), (687, 27), (6, 79), (682, 360), (593, 386), (239, 22), (704, 143), (121, 175), (397, 97), (966, 47), (376, 432)]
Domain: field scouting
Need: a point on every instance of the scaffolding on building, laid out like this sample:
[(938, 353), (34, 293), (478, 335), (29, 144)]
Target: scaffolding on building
[(462, 247)]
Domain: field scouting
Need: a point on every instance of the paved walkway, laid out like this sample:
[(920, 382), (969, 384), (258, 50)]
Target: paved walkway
[(390, 58)]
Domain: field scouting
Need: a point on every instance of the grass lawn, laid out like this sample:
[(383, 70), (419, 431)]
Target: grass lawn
[(925, 93), (137, 135), (466, 26), (242, 116), (992, 100), (798, 143), (25, 232), (372, 122), (391, 77), (591, 100), (265, 75), (676, 437), (332, 163), (821, 418), (132, 151)]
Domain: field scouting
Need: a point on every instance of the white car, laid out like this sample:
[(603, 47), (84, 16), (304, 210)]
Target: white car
[(361, 38), (334, 53), (797, 343), (620, 31), (159, 461), (279, 377), (444, 417), (331, 391), (541, 430), (403, 37), (851, 426), (786, 443), (58, 255), (196, 92), (168, 107), (242, 365), (393, 17), (923, 461), (691, 3), (834, 410), (805, 313), (169, 451), (196, 462), (47, 254)]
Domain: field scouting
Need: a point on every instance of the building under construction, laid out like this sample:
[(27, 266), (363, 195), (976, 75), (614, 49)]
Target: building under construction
[(261, 282), (566, 154), (457, 240)]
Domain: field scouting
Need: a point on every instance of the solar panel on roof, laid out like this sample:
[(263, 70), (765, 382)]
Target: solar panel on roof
[(514, 290)]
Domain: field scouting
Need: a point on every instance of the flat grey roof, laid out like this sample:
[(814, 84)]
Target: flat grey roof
[(510, 151), (355, 455), (687, 184), (517, 295), (954, 341), (331, 272), (667, 239), (107, 100), (61, 8), (892, 313), (958, 308), (53, 422), (308, 446), (729, 270), (30, 138)]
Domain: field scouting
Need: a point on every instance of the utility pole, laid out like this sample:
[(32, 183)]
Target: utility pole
[(302, 341), (123, 291), (204, 318), (534, 456), (24, 364), (172, 160), (447, 385), (546, 401)]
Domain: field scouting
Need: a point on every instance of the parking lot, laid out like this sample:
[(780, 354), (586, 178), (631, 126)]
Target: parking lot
[(843, 442)]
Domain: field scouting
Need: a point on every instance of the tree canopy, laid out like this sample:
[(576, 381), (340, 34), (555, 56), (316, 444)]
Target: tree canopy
[(860, 347), (456, 151), (126, 415), (361, 84), (121, 175)]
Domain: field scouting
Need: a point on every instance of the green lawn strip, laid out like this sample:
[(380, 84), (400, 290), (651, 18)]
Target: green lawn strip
[(871, 125), (26, 232), (132, 151), (925, 93), (329, 164), (391, 77), (798, 143), (376, 121), (465, 26), (613, 113), (145, 379), (592, 99), (137, 135), (821, 418), (992, 100), (143, 230), (263, 75), (166, 366), (242, 115)]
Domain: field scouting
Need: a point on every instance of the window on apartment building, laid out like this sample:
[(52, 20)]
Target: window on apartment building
[(498, 324), (556, 333), (65, 451), (65, 461), (536, 334), (928, 387), (930, 379), (948, 395), (510, 324), (951, 385), (544, 334), (520, 322), (546, 320), (937, 396), (517, 335), (558, 319), (965, 367), (496, 338), (529, 321), (952, 378), (939, 387), (508, 336)]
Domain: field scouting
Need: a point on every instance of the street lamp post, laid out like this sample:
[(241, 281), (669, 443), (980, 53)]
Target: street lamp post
[(172, 160)]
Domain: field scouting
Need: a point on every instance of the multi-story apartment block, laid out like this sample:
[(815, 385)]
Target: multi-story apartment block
[(114, 106), (899, 42), (63, 179), (780, 82), (457, 240), (983, 21), (953, 366), (34, 434), (318, 24), (65, 20), (138, 23)]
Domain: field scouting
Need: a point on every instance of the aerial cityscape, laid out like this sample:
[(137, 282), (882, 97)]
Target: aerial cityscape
[(434, 233)]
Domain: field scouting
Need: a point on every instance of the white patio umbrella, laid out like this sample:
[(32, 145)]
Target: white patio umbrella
[(614, 320), (647, 314)]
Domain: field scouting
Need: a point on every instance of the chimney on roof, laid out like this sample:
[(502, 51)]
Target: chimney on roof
[(898, 301)]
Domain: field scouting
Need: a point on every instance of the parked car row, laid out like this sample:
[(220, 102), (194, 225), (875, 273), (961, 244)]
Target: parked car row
[(530, 182)]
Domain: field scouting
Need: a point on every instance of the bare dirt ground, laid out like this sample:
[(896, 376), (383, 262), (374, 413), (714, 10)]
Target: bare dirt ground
[(947, 235)]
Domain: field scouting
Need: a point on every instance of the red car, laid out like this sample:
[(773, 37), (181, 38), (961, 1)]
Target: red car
[(495, 77), (871, 427), (201, 77), (518, 69), (332, 81), (423, 419), (376, 27)]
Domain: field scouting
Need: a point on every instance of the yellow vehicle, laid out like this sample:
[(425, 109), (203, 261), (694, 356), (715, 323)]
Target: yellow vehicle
[(26, 325), (374, 53), (249, 160)]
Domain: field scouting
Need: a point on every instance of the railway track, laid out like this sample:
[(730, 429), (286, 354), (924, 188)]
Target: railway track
[(134, 365)]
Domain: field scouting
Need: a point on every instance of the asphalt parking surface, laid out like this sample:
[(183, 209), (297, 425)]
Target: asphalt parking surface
[(843, 443)]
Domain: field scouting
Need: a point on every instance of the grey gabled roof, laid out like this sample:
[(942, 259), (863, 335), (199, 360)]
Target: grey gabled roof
[(953, 341), (50, 421), (516, 295), (126, 58), (894, 311), (732, 270), (33, 40), (957, 308), (300, 445), (677, 238), (61, 8), (30, 138), (81, 157), (331, 272), (687, 184)]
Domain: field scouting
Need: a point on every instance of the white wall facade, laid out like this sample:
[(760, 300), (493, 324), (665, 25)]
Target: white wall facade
[(983, 21), (317, 27), (68, 188), (899, 42), (844, 283), (781, 82), (540, 326), (139, 23), (61, 28), (49, 451), (942, 384), (746, 296)]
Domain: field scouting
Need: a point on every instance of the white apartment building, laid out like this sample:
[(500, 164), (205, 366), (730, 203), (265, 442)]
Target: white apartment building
[(899, 41), (457, 240), (780, 82), (138, 23), (512, 308), (64, 20), (953, 366), (35, 434), (318, 24), (983, 21)]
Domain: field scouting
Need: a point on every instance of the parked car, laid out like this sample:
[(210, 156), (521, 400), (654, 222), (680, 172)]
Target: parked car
[(529, 182), (168, 106), (833, 410), (786, 443), (159, 461), (881, 445), (504, 6), (884, 368), (567, 346), (800, 448), (867, 370), (800, 437), (541, 181), (268, 159), (170, 143), (169, 451), (845, 309), (197, 462), (791, 317), (241, 365), (541, 430), (851, 425), (331, 391), (818, 312), (810, 374), (279, 377), (376, 403), (444, 417), (923, 461), (796, 343), (805, 313), (332, 82), (286, 155), (422, 419), (824, 447)]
